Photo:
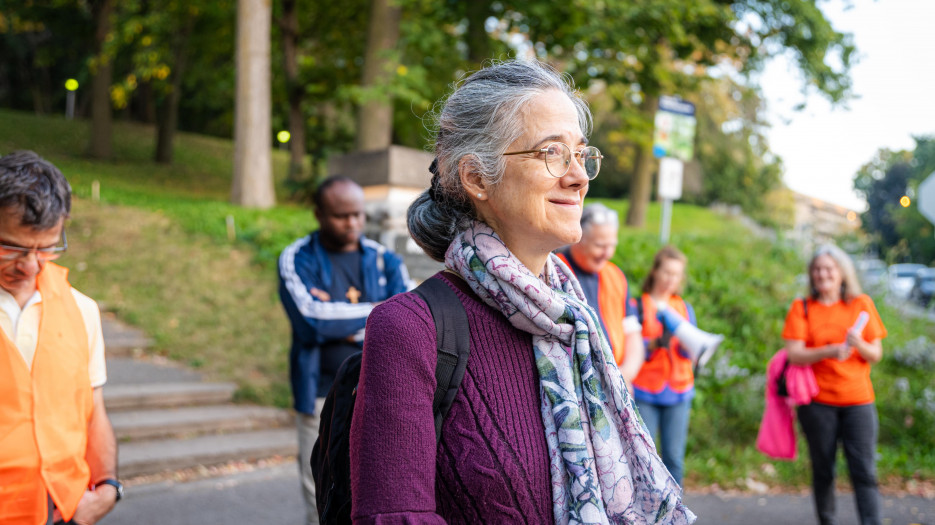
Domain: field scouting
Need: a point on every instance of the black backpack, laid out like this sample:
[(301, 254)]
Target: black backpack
[(331, 461)]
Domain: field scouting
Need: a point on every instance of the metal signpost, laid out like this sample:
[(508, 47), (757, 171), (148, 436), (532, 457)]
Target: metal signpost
[(670, 189), (283, 138), (71, 85), (926, 196), (673, 143)]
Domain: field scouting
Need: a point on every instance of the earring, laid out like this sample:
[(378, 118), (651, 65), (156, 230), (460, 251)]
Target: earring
[(479, 195)]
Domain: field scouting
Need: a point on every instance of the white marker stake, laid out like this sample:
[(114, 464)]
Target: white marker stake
[(231, 228)]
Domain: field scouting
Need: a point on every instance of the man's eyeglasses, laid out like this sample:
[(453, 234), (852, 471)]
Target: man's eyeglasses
[(558, 157), (12, 253)]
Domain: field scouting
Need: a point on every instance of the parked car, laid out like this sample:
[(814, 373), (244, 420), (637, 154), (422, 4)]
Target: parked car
[(902, 277), (872, 274), (924, 287)]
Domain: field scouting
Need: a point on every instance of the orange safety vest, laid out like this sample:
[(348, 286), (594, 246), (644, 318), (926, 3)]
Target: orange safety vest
[(612, 304), (44, 413), (664, 365)]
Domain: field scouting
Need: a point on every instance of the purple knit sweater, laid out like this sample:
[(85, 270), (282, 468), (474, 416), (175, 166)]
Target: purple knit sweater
[(492, 465)]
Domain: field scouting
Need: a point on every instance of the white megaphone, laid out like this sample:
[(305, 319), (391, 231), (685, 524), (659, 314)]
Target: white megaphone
[(700, 344)]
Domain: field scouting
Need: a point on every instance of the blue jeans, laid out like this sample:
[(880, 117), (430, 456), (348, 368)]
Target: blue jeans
[(669, 427), (856, 428)]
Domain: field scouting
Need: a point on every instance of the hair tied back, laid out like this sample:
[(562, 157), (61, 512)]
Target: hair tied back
[(433, 190)]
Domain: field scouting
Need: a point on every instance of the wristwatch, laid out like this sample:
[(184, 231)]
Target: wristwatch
[(113, 483)]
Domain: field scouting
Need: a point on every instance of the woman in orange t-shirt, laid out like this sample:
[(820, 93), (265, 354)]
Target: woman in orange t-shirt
[(822, 331)]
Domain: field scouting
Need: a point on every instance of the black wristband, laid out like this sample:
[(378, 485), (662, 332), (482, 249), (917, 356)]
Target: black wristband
[(113, 483)]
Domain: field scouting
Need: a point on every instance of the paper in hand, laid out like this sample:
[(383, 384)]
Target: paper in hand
[(861, 322)]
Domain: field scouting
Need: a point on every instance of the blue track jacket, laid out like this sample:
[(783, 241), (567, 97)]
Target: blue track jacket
[(303, 265)]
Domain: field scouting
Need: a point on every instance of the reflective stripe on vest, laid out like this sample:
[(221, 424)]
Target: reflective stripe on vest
[(664, 366), (44, 413), (612, 304)]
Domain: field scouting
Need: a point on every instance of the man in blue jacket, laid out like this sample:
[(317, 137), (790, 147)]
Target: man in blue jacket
[(329, 281)]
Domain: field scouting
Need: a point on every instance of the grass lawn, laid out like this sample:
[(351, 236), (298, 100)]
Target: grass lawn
[(155, 250)]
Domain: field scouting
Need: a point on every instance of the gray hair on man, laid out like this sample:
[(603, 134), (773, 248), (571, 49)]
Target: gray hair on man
[(598, 214), (34, 189), (476, 124)]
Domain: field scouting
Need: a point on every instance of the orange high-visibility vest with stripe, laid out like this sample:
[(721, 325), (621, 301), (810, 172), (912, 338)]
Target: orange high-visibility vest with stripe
[(44, 413), (612, 304), (664, 365)]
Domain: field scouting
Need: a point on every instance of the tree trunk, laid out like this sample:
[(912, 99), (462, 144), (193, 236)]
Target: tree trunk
[(146, 102), (253, 173), (168, 116), (477, 39), (101, 146), (294, 89), (375, 117), (642, 183)]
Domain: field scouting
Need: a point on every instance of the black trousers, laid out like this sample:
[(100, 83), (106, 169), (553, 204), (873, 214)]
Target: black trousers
[(856, 427), (333, 355)]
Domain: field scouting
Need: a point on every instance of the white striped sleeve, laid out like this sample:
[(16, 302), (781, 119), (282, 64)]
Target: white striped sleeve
[(307, 305)]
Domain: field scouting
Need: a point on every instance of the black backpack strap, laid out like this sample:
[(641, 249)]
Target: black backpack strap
[(639, 309), (453, 340)]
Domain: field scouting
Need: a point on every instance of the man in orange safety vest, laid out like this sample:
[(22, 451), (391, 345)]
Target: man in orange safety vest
[(58, 454)]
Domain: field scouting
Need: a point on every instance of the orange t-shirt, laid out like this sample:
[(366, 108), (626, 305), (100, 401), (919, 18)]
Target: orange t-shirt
[(840, 383)]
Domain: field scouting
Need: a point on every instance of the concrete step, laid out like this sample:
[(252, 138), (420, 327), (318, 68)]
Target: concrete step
[(190, 421), (121, 339), (152, 369), (152, 457), (162, 395)]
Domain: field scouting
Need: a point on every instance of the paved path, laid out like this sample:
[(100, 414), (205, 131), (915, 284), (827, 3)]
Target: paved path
[(271, 496), (267, 496)]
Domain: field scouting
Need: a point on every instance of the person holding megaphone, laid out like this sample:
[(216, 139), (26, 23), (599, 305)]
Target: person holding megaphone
[(675, 349)]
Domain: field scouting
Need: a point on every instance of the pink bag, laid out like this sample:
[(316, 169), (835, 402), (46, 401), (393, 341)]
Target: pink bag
[(776, 437)]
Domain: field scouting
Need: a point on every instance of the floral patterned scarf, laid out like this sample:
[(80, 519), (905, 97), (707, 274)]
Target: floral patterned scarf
[(603, 462)]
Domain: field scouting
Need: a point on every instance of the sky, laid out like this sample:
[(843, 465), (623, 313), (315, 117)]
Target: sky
[(822, 147)]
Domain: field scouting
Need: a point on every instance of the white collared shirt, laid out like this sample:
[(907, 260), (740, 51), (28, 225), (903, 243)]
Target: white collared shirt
[(21, 325)]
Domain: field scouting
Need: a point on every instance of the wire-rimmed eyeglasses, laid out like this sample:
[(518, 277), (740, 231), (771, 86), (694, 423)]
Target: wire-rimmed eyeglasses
[(558, 155), (12, 253)]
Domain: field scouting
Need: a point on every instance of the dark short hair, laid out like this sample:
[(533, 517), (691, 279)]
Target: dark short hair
[(324, 185), (35, 189)]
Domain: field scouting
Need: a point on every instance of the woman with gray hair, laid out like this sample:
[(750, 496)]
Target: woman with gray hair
[(542, 429), (837, 331)]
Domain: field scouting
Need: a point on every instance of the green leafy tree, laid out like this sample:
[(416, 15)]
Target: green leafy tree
[(737, 166), (41, 45), (165, 40), (316, 101), (656, 47), (900, 233)]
